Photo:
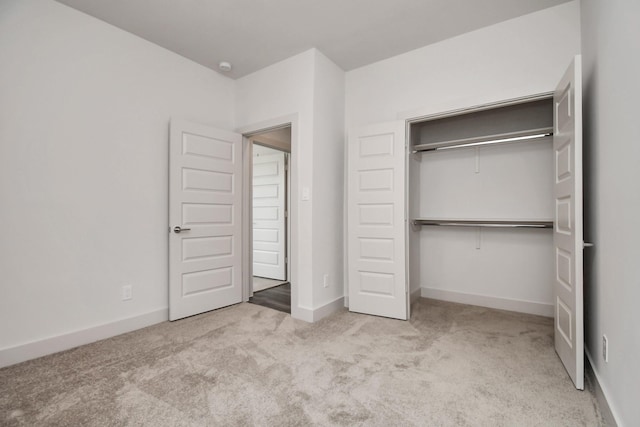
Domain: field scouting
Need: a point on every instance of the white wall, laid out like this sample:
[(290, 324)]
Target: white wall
[(515, 266), (84, 113), (328, 181), (610, 45), (520, 57), (306, 86)]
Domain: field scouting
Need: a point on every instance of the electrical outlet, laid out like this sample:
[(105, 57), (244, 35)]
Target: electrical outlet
[(605, 348), (325, 281), (306, 194), (126, 293)]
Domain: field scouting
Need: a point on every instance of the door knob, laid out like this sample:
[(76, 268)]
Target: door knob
[(178, 229)]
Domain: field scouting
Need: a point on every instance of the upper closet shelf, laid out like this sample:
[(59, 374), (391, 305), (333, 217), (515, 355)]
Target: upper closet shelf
[(484, 223), (502, 138)]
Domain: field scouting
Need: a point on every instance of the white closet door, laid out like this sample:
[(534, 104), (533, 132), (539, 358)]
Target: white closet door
[(567, 146), (376, 221)]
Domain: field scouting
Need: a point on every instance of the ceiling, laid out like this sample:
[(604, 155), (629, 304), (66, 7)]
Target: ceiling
[(252, 34)]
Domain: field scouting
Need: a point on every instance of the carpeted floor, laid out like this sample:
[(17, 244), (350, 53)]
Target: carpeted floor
[(451, 365)]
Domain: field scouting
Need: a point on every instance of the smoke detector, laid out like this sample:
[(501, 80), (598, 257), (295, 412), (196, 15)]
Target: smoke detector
[(224, 66)]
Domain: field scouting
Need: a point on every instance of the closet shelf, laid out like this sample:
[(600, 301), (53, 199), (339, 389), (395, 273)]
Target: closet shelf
[(501, 138), (484, 223)]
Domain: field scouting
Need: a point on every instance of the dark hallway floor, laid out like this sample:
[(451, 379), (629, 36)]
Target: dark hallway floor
[(277, 298)]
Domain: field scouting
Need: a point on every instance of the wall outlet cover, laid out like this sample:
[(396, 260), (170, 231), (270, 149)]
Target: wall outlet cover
[(126, 293)]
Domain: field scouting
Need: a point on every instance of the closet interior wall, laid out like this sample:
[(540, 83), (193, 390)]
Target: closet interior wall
[(510, 267)]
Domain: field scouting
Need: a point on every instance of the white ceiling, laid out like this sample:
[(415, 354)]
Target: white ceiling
[(252, 34)]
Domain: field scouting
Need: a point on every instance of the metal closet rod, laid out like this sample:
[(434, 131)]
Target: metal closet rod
[(485, 223), (501, 138)]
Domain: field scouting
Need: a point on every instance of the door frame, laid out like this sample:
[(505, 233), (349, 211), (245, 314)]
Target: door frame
[(426, 114), (247, 197)]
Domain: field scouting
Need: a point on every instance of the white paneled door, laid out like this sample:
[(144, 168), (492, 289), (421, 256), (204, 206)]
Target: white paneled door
[(568, 237), (205, 172), (269, 213), (376, 221)]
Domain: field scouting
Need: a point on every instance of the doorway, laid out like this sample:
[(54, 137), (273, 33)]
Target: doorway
[(270, 201)]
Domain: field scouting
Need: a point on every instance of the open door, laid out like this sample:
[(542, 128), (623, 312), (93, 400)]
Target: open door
[(205, 172), (269, 222), (568, 232), (376, 221)]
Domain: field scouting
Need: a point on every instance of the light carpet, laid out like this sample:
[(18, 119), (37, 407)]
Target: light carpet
[(451, 365)]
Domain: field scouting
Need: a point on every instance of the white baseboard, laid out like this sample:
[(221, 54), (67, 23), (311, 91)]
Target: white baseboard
[(34, 349), (607, 411), (313, 315), (520, 306), (328, 309), (302, 313)]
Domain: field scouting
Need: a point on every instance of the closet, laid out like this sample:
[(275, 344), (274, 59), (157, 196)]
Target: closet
[(481, 206), (480, 197)]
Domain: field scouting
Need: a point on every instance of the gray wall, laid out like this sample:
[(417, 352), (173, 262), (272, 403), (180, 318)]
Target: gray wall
[(611, 61)]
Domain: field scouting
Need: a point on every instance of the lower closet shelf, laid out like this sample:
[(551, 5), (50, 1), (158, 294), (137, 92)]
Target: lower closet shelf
[(484, 223)]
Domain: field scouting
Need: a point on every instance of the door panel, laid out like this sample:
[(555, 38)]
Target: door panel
[(567, 236), (376, 221), (204, 200), (269, 214)]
